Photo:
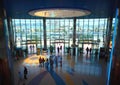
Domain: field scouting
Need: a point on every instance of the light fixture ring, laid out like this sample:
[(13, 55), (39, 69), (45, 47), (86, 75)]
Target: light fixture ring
[(59, 12)]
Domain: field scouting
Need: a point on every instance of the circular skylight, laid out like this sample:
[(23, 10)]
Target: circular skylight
[(59, 13)]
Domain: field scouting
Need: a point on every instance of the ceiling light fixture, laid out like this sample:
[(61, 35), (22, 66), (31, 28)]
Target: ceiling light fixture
[(59, 13)]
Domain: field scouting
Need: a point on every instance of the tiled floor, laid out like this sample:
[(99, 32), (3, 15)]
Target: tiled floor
[(81, 70)]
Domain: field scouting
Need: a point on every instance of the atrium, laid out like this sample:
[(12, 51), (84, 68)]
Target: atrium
[(59, 42)]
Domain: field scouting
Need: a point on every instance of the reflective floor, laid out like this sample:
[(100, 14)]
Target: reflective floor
[(85, 69)]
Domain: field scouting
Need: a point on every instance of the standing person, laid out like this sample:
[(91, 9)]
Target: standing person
[(58, 49), (33, 49), (61, 48), (40, 61), (43, 60), (25, 73), (30, 49), (87, 49), (90, 50)]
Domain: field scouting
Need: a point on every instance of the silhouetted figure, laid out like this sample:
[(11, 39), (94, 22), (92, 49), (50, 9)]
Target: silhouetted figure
[(58, 49), (40, 61), (61, 47), (43, 60), (68, 50), (87, 49), (33, 48), (90, 50), (25, 73), (30, 49)]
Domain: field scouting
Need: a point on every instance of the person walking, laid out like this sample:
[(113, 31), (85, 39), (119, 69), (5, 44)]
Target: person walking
[(25, 72), (43, 60), (61, 48), (87, 49), (58, 49), (40, 61)]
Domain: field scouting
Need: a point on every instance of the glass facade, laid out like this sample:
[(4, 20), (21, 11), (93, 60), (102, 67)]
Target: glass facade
[(28, 31), (88, 31)]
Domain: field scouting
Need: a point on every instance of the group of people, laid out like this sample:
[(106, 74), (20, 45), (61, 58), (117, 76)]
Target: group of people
[(53, 60), (41, 62), (88, 50), (59, 48), (32, 47)]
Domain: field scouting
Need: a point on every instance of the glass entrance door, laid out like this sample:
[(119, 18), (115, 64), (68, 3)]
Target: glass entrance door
[(59, 48), (31, 48), (85, 46)]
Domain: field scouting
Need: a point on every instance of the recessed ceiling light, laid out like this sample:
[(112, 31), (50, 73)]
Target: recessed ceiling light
[(59, 13)]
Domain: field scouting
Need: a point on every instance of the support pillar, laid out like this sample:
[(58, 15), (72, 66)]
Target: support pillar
[(44, 29), (109, 33), (6, 66), (44, 50), (11, 36), (74, 31), (74, 36), (115, 70)]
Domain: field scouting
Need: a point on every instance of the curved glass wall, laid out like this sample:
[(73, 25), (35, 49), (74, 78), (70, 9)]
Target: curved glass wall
[(88, 31)]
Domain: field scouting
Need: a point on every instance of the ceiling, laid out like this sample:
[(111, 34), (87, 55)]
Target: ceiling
[(21, 8)]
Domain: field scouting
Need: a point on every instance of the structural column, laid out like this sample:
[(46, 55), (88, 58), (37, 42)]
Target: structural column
[(11, 34), (44, 29), (74, 31), (74, 36), (109, 33), (115, 71), (6, 77)]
